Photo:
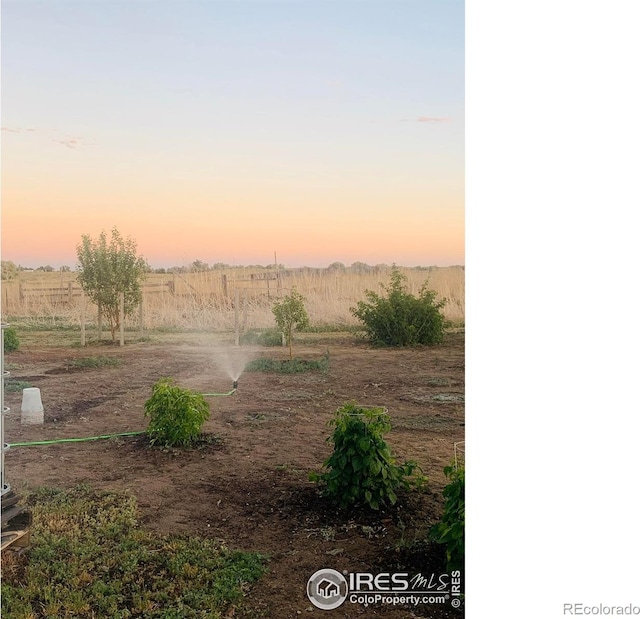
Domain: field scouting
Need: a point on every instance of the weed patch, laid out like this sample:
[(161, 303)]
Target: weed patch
[(288, 366), (93, 362), (14, 386)]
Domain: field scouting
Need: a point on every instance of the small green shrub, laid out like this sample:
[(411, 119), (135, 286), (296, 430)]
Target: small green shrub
[(288, 366), (450, 530), (399, 318), (176, 415), (361, 469), (11, 340)]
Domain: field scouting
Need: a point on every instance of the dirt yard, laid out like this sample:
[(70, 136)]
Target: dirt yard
[(251, 489)]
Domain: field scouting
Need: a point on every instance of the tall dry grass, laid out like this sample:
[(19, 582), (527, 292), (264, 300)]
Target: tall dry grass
[(202, 301)]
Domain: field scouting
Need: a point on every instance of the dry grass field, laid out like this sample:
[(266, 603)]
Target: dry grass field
[(212, 300)]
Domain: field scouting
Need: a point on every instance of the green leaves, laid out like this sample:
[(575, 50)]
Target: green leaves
[(450, 530), (107, 269), (361, 469), (399, 318), (177, 414), (291, 314), (11, 340), (91, 558)]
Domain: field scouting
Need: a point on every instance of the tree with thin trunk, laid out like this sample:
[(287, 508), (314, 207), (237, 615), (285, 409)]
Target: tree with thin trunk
[(291, 314), (109, 268)]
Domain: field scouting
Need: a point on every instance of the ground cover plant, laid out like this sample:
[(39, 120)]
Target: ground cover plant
[(400, 318), (90, 558), (288, 366), (93, 362), (361, 469), (13, 386), (176, 415)]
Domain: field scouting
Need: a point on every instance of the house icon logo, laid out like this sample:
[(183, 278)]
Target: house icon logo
[(327, 589)]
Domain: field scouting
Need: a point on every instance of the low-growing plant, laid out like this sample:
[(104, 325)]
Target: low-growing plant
[(14, 386), (361, 469), (176, 415), (11, 339), (288, 366), (400, 318), (450, 530), (93, 362), (91, 558)]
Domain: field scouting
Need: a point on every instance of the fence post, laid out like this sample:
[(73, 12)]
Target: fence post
[(83, 335), (244, 314), (141, 316), (122, 319), (236, 311)]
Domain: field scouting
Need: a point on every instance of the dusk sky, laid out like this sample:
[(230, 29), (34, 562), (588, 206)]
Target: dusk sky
[(224, 131)]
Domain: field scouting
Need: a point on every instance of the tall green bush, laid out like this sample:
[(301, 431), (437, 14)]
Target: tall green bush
[(450, 530), (400, 318), (361, 469), (176, 414)]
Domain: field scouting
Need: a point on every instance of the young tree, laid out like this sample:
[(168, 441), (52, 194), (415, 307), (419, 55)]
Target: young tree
[(109, 268), (291, 314)]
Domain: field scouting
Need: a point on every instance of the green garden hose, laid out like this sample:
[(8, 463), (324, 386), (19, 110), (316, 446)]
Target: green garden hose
[(74, 440), (221, 394)]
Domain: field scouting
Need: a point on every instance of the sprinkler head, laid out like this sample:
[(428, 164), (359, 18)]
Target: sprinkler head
[(235, 384)]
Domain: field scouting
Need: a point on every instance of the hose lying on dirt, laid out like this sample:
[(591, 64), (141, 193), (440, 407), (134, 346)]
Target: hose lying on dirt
[(74, 440)]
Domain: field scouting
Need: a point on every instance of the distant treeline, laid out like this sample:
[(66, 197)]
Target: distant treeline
[(10, 270)]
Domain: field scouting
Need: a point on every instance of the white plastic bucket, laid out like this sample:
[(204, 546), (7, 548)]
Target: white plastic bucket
[(32, 410)]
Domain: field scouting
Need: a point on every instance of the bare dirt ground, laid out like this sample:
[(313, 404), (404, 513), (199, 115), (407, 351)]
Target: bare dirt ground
[(252, 489)]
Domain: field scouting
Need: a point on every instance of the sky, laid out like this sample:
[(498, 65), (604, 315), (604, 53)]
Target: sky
[(227, 131)]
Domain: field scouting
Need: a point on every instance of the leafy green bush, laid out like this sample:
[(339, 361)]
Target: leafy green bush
[(11, 340), (288, 366), (399, 318), (450, 530), (361, 469), (176, 415)]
